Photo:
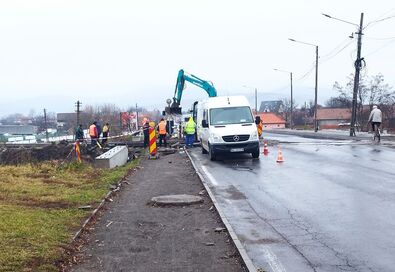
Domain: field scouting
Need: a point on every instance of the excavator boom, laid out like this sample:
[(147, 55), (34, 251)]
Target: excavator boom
[(180, 85)]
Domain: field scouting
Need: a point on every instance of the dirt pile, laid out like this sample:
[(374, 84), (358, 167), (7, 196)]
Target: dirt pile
[(20, 155)]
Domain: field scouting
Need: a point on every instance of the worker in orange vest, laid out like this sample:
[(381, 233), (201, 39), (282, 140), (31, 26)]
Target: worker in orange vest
[(162, 132), (260, 128), (93, 133)]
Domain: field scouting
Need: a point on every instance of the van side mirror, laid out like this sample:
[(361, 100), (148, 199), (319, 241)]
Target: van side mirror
[(257, 120), (204, 124)]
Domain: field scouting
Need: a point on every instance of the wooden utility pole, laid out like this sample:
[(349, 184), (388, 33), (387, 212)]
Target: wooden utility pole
[(256, 101), (45, 124), (137, 117), (78, 105), (316, 90), (292, 105), (358, 65)]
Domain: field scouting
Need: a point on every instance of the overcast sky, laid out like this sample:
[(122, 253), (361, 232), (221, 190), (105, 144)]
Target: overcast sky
[(53, 53)]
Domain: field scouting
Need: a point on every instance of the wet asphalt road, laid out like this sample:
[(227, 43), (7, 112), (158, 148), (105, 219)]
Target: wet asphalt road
[(329, 207)]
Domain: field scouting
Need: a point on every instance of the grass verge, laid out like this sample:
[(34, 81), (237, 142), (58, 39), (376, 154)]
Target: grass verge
[(39, 210)]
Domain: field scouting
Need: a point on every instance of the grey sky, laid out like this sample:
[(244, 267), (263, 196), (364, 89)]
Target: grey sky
[(125, 52)]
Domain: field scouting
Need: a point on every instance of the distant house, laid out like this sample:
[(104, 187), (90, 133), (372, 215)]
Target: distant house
[(69, 119), (333, 118), (271, 120), (276, 106), (18, 130)]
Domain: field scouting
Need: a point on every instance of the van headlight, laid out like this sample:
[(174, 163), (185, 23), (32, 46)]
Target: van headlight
[(254, 135), (215, 138)]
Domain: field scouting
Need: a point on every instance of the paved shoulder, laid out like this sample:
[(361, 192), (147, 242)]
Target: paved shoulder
[(134, 235)]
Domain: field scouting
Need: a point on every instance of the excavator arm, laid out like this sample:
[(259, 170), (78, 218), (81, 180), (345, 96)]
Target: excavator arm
[(180, 85)]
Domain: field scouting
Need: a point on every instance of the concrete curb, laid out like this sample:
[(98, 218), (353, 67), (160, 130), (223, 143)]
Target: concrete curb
[(328, 136), (95, 211), (246, 259)]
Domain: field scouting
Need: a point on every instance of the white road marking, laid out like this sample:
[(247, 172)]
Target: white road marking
[(209, 176), (272, 260)]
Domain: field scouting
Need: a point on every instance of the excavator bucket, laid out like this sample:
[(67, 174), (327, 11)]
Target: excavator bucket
[(173, 110)]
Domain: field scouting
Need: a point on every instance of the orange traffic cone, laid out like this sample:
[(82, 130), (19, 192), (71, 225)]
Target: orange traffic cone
[(265, 149), (280, 155)]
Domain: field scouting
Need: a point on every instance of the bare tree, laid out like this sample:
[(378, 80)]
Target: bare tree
[(371, 92), (287, 110)]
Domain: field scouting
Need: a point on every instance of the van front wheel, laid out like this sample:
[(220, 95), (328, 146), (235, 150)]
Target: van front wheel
[(204, 151), (255, 154), (211, 153)]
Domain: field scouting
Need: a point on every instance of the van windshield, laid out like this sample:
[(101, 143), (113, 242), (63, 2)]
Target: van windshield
[(234, 115)]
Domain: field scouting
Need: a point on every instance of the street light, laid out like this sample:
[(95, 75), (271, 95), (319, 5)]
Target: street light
[(316, 81), (256, 97), (290, 73), (358, 65)]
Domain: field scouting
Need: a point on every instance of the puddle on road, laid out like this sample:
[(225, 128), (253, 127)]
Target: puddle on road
[(235, 194)]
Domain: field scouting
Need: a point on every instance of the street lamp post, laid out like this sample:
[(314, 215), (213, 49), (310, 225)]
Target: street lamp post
[(316, 81), (358, 65), (256, 97), (290, 74)]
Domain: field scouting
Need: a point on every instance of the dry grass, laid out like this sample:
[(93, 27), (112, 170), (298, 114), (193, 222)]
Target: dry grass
[(39, 210)]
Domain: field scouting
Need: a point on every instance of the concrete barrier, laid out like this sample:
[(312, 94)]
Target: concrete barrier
[(116, 156)]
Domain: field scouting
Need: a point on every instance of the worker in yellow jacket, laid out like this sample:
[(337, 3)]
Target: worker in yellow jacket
[(190, 129)]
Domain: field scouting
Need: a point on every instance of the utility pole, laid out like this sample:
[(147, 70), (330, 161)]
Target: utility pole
[(137, 117), (45, 124), (316, 89), (291, 124), (256, 101), (357, 65), (292, 105), (78, 104), (316, 81)]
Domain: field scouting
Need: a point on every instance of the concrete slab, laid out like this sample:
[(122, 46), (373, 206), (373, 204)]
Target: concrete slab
[(176, 200), (116, 156)]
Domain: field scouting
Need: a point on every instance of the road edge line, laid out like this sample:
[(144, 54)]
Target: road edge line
[(240, 248)]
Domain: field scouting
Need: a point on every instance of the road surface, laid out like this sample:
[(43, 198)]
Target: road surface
[(329, 207)]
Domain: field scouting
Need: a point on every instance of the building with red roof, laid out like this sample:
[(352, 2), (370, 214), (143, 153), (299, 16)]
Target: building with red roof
[(271, 120)]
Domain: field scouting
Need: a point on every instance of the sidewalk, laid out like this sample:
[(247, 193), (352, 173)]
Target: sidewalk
[(133, 235), (330, 134)]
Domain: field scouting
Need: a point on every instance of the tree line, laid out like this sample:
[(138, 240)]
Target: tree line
[(373, 90)]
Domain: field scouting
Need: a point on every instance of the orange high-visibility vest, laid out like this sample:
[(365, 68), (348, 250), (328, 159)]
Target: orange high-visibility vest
[(92, 131), (260, 127), (162, 127)]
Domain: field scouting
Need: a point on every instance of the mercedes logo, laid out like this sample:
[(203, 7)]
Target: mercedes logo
[(236, 138)]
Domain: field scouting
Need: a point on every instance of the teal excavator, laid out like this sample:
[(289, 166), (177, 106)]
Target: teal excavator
[(208, 86)]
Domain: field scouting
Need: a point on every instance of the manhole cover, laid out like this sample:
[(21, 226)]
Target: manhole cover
[(176, 200)]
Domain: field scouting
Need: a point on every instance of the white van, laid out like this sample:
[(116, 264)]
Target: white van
[(226, 125)]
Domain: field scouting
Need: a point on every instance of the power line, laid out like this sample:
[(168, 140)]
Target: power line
[(380, 48), (380, 39), (335, 48), (338, 52), (330, 55), (382, 19), (308, 72)]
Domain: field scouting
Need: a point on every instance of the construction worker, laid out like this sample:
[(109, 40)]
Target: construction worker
[(190, 129), (146, 132), (79, 134), (162, 132), (106, 131), (93, 133), (259, 128)]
